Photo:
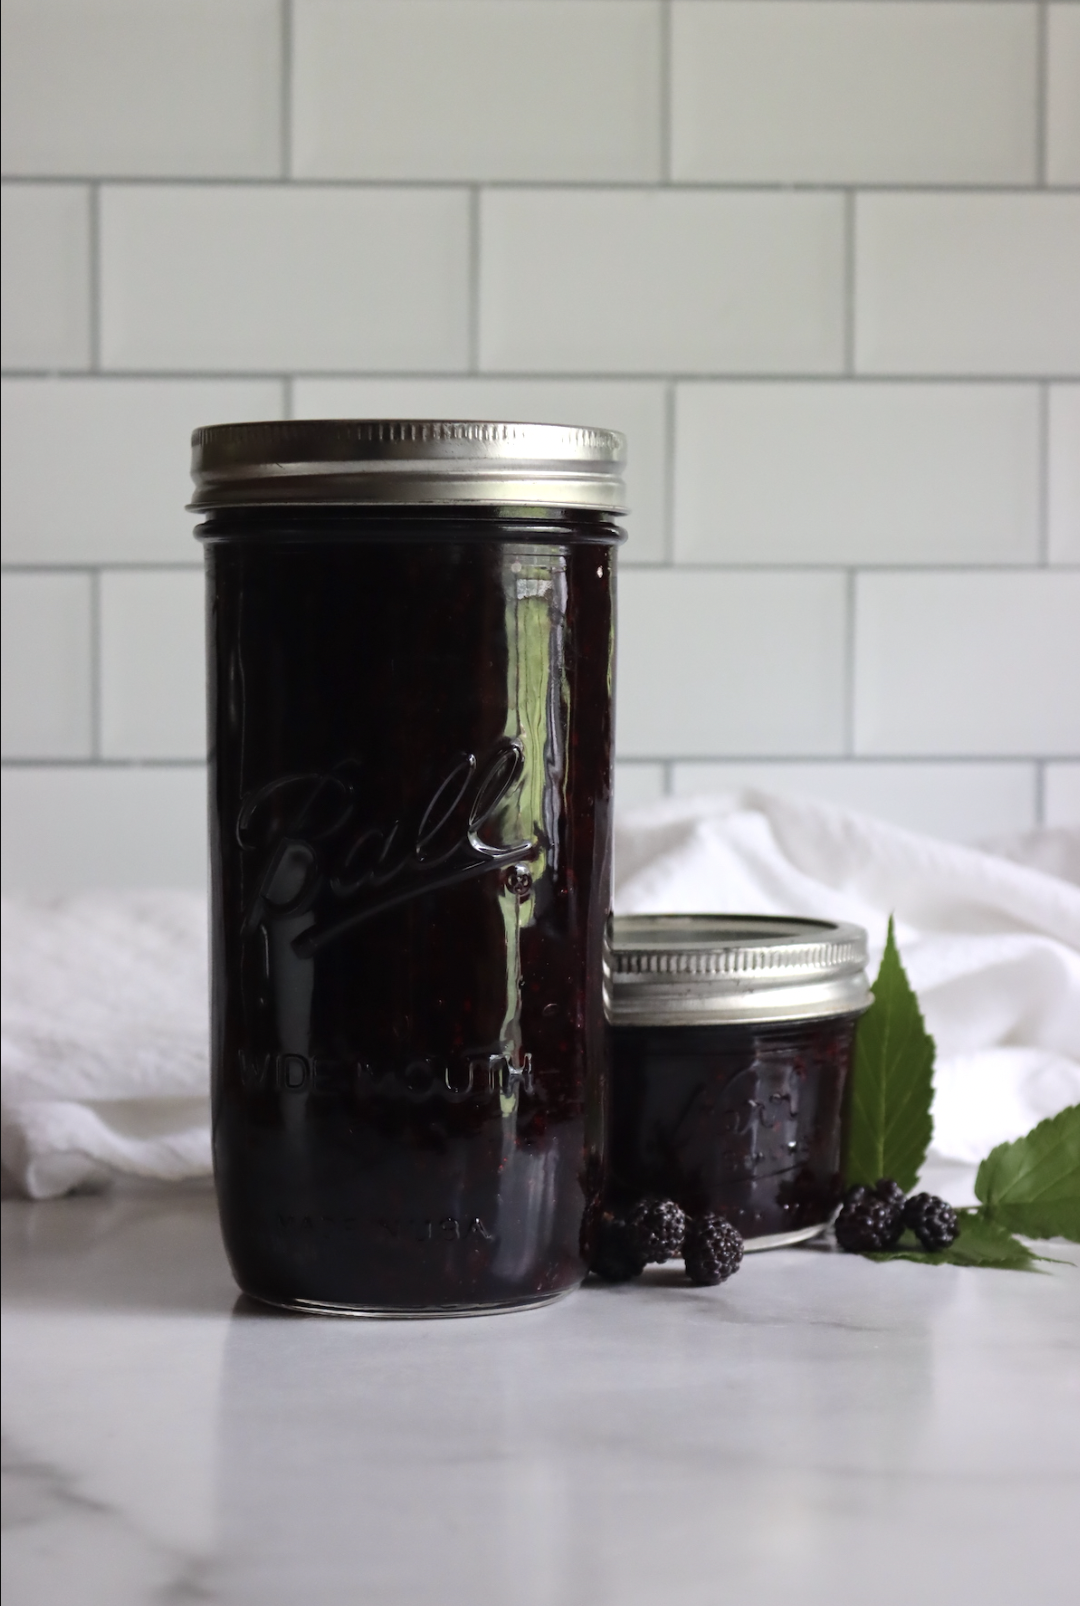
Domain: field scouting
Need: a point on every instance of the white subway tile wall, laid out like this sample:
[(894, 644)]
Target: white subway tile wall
[(857, 474), (1062, 801), (966, 283), (47, 667), (276, 277), (1063, 94), (144, 88), (1064, 484), (661, 281), (820, 259), (834, 92), (153, 705), (70, 829), (93, 473), (45, 282), (639, 784), (963, 664), (731, 661), (534, 90)]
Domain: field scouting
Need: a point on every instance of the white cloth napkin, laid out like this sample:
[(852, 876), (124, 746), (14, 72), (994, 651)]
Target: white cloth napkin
[(105, 1011), (105, 1040)]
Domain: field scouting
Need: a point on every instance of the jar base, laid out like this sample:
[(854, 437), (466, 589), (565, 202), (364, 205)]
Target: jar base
[(314, 1307), (783, 1240)]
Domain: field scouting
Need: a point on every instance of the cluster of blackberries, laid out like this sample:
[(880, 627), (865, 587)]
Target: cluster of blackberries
[(873, 1219), (655, 1230)]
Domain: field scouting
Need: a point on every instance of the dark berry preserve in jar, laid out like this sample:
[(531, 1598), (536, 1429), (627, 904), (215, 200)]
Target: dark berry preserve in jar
[(731, 1046), (410, 643)]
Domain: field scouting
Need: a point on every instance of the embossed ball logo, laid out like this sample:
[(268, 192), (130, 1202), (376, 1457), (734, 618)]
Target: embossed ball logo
[(319, 848)]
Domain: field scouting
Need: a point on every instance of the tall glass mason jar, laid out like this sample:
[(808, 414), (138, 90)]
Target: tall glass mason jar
[(410, 633)]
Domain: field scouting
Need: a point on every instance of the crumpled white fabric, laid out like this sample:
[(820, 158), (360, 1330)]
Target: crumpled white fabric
[(105, 1040), (105, 994)]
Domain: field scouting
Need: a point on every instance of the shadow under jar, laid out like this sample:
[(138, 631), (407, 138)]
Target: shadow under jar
[(410, 643), (732, 1038)]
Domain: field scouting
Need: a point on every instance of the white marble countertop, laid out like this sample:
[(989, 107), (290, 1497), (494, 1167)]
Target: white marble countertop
[(820, 1429)]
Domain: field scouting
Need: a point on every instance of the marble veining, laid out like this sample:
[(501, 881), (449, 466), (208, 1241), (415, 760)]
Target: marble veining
[(820, 1430)]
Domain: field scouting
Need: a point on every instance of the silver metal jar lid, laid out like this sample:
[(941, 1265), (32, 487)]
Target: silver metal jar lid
[(344, 461), (700, 970)]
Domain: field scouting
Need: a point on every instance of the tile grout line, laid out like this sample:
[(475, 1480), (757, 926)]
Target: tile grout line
[(645, 186), (285, 156), (665, 95), (94, 288), (99, 764), (931, 571), (849, 663), (1041, 98), (95, 665), (844, 761), (1043, 491), (630, 376), (632, 760), (105, 566), (849, 282), (669, 473), (474, 280)]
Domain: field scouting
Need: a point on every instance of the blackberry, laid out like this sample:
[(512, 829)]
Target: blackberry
[(890, 1191), (932, 1221), (712, 1250), (615, 1256), (868, 1224), (656, 1227)]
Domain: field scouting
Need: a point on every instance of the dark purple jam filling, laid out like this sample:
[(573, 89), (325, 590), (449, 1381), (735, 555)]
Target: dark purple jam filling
[(410, 797), (740, 1121)]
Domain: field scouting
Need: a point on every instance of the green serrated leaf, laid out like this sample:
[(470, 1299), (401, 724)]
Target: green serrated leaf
[(980, 1242), (1033, 1185), (888, 1126)]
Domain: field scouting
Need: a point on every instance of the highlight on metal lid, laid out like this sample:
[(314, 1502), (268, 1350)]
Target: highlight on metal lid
[(342, 462), (699, 970)]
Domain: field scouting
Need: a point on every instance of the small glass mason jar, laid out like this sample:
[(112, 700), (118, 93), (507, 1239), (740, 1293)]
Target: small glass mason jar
[(731, 1045), (410, 643)]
